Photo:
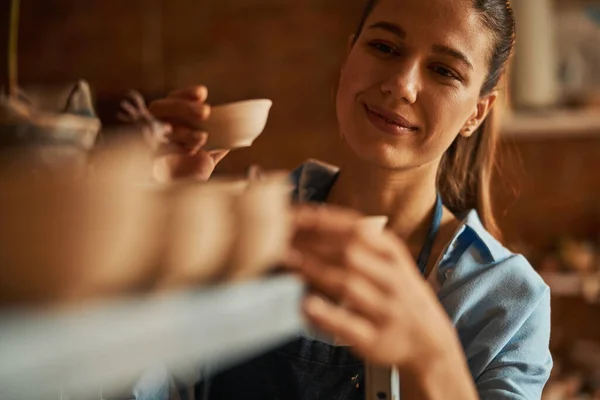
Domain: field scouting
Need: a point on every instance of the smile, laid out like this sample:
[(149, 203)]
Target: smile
[(388, 122)]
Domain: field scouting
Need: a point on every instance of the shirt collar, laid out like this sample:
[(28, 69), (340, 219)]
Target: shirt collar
[(314, 180)]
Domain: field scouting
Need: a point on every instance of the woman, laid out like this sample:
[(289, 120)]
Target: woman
[(414, 107)]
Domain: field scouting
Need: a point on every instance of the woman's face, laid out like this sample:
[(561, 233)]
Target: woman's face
[(411, 82)]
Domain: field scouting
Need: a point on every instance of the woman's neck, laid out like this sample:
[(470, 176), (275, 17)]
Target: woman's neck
[(406, 197)]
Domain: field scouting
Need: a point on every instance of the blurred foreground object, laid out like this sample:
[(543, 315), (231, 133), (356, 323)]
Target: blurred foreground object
[(103, 273), (102, 243), (65, 238), (535, 69), (103, 231), (49, 131), (573, 269), (579, 50), (83, 352), (47, 138), (75, 237), (577, 375)]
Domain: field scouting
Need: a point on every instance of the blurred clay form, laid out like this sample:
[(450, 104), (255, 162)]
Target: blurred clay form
[(108, 234), (39, 137), (102, 232)]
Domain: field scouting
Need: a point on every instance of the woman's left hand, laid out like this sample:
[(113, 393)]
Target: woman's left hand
[(371, 294)]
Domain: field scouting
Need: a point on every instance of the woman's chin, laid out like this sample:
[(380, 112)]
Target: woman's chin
[(383, 155)]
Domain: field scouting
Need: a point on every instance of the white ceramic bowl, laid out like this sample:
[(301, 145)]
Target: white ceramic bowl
[(236, 125)]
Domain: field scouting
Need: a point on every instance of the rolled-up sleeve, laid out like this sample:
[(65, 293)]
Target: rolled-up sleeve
[(522, 368)]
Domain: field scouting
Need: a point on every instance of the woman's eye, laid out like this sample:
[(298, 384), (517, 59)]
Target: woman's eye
[(445, 72), (383, 48)]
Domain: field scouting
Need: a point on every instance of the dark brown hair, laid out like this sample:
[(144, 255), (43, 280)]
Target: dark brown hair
[(466, 169)]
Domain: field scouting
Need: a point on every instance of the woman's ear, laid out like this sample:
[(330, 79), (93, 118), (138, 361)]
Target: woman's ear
[(482, 109)]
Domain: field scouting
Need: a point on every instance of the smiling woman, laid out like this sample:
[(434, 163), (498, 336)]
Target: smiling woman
[(436, 295), (454, 74)]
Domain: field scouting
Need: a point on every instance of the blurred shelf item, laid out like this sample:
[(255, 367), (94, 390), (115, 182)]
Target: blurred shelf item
[(573, 285), (109, 344), (552, 124), (563, 284), (570, 3), (534, 82), (576, 373)]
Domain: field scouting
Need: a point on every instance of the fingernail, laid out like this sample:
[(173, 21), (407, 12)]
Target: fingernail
[(205, 111), (202, 92)]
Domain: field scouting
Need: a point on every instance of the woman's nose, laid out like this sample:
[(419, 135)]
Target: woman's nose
[(403, 83)]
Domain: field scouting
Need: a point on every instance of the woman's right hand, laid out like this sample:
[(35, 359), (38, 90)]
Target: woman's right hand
[(181, 155)]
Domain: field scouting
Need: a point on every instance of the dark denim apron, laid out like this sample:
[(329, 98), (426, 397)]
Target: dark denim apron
[(305, 369)]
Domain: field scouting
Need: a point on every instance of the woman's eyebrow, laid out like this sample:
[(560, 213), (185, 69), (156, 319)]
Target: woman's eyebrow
[(449, 51), (390, 27)]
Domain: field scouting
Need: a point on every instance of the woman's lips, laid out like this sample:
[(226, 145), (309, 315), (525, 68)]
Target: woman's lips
[(387, 122)]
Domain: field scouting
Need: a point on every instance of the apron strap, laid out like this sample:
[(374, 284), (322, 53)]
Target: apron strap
[(425, 253)]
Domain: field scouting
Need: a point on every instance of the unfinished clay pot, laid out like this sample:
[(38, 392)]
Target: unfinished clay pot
[(201, 232), (236, 125), (67, 239), (263, 221), (23, 123), (45, 138)]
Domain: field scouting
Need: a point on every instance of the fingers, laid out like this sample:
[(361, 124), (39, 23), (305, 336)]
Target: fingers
[(173, 165), (352, 255), (187, 138), (130, 109), (218, 155), (348, 327), (138, 99), (156, 136), (193, 141), (185, 110), (351, 289), (180, 112), (124, 117), (324, 223), (194, 147), (195, 93), (319, 219), (340, 241)]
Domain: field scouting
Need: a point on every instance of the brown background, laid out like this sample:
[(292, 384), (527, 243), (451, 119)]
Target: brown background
[(288, 51)]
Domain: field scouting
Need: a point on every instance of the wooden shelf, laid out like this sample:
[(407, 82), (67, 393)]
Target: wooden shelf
[(573, 285), (108, 345), (552, 124), (562, 284)]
